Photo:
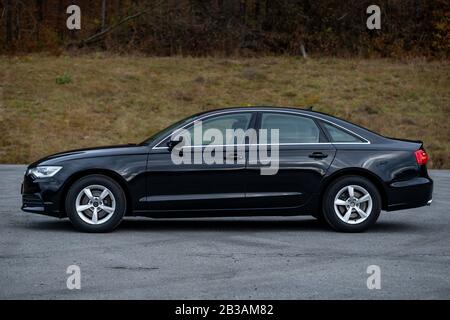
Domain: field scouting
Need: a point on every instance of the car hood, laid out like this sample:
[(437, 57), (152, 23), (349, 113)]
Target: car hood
[(105, 151)]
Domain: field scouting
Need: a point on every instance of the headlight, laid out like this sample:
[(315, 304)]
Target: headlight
[(44, 171)]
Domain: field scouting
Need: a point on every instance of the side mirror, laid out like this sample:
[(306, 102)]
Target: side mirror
[(173, 143)]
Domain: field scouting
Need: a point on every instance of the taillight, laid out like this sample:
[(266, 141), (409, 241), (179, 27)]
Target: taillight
[(421, 157)]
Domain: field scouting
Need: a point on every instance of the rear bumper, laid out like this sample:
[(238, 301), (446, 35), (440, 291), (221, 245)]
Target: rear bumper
[(413, 193)]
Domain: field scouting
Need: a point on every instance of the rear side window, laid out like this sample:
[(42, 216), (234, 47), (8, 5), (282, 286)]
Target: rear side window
[(292, 128), (339, 135)]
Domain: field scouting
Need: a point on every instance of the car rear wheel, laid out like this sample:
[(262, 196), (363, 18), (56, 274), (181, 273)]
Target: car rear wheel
[(351, 204), (95, 203)]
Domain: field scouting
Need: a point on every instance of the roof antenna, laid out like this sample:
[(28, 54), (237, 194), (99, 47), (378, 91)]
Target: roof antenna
[(310, 108)]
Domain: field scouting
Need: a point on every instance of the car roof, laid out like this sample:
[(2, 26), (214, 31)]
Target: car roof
[(256, 108), (304, 110), (366, 133)]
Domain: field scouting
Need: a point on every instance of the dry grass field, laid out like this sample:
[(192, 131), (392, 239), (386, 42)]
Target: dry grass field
[(51, 104)]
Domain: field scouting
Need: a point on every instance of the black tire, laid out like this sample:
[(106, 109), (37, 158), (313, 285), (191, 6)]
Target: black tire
[(331, 216), (99, 180)]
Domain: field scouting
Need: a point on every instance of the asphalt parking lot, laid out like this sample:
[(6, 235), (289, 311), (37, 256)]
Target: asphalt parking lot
[(248, 258)]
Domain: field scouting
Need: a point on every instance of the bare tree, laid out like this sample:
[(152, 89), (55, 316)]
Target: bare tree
[(9, 21), (40, 16), (103, 14)]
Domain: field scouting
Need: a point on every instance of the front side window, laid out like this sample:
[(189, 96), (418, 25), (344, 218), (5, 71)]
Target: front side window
[(292, 128), (222, 123), (339, 135)]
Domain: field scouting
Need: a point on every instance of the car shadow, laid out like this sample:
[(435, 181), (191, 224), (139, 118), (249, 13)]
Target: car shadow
[(306, 224), (222, 225)]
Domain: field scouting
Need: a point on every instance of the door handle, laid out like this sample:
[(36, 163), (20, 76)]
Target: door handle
[(318, 155), (233, 156)]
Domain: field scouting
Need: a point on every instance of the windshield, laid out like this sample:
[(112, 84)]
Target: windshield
[(167, 131)]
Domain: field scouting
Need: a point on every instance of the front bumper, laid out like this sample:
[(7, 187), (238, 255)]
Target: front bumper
[(41, 196), (413, 193), (32, 203)]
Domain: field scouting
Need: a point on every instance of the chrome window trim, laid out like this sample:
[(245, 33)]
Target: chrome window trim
[(264, 144), (156, 147)]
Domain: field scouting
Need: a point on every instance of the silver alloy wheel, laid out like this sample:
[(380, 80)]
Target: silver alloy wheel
[(95, 204), (353, 204)]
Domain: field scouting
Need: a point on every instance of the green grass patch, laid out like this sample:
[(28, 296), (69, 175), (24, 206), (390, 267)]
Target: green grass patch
[(121, 99)]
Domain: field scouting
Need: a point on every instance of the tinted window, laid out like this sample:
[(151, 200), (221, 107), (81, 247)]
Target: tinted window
[(232, 121), (292, 128), (339, 135)]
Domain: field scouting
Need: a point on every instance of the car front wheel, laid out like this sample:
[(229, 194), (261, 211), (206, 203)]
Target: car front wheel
[(351, 204), (95, 203)]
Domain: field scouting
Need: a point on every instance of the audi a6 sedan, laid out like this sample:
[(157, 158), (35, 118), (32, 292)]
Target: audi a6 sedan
[(290, 162)]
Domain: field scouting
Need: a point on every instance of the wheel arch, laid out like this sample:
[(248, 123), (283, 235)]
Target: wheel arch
[(357, 172), (105, 172)]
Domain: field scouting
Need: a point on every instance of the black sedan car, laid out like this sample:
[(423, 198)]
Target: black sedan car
[(322, 166)]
